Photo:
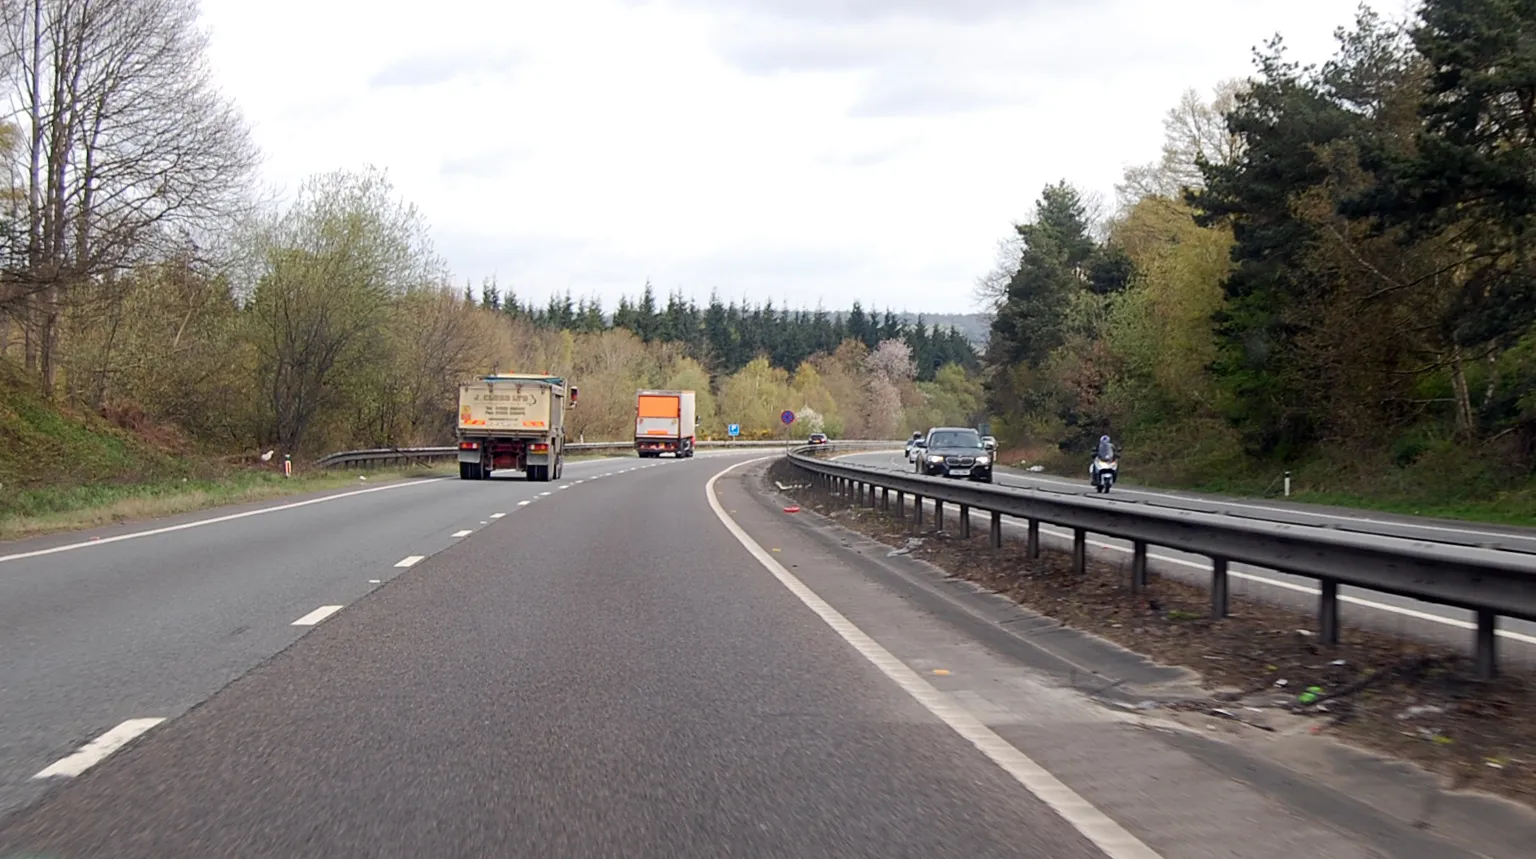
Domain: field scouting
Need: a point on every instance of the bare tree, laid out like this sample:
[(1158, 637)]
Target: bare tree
[(1194, 131), (992, 287), (127, 149), (330, 268)]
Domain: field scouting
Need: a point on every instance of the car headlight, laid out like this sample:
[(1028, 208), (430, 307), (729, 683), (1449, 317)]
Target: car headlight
[(935, 458), (982, 460)]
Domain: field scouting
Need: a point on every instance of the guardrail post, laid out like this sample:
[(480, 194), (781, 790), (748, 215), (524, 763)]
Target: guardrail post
[(965, 522), (885, 498), (858, 492), (1328, 611), (997, 530), (1034, 539), (938, 515), (1486, 646), (1220, 595), (901, 504), (1138, 566), (917, 510), (1079, 551)]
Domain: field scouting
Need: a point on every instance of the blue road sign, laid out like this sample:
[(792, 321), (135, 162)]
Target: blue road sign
[(733, 430), (788, 417)]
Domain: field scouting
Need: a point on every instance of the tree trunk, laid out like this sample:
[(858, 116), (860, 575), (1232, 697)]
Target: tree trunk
[(50, 351), (1493, 381), (1463, 396), (29, 333)]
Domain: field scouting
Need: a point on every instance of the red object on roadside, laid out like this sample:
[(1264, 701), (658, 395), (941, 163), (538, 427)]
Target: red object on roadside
[(795, 509)]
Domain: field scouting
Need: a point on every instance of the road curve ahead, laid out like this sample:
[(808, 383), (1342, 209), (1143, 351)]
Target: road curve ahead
[(631, 667), (606, 673)]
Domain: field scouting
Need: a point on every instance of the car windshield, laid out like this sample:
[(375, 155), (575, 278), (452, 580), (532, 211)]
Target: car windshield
[(955, 438)]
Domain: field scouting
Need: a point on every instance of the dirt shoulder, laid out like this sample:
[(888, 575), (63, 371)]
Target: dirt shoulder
[(1262, 666)]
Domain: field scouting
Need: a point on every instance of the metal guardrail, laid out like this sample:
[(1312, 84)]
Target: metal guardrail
[(421, 455), (1489, 582)]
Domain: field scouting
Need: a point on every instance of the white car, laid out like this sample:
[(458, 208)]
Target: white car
[(912, 445)]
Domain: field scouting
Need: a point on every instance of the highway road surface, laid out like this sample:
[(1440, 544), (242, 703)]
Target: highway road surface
[(1384, 612), (645, 659)]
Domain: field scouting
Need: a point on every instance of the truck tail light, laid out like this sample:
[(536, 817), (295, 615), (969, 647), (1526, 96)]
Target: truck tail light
[(469, 445), (541, 448)]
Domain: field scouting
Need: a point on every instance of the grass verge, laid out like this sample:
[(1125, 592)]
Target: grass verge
[(1384, 692), (50, 510), (1318, 484)]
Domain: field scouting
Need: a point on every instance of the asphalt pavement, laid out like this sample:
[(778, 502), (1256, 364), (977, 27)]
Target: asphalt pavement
[(1387, 613), (143, 621), (605, 672), (644, 659)]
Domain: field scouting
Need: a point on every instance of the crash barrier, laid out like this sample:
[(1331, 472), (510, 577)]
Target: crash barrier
[(1489, 582), (386, 456)]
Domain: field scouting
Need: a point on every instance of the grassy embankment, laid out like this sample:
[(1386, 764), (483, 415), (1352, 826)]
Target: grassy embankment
[(62, 470), (1435, 478)]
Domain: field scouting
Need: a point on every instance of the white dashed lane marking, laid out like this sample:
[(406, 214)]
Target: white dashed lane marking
[(317, 615), (97, 750)]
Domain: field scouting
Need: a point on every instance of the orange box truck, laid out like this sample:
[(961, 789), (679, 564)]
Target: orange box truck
[(664, 423)]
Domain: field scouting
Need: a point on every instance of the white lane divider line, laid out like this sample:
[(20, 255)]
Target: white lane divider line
[(524, 503), (410, 561), (375, 582), (1098, 827), (97, 750), (214, 521), (465, 533), (545, 494), (497, 515), (317, 615)]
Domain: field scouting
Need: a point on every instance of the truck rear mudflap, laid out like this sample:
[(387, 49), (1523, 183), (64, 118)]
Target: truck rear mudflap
[(657, 447)]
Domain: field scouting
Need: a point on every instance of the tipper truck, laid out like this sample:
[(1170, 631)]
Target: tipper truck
[(513, 421), (664, 423)]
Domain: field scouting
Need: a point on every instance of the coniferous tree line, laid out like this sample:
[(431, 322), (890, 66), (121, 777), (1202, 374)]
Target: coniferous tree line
[(727, 336)]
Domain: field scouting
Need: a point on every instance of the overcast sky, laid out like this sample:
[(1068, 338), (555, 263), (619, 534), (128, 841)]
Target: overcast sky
[(801, 150)]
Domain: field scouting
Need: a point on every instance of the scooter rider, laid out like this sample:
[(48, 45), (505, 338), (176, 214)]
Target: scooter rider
[(1106, 453)]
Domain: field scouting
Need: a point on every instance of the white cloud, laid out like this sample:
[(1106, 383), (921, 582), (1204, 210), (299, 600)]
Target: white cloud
[(798, 150)]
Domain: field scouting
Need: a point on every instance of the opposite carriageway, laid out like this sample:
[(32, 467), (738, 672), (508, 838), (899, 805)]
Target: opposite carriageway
[(1488, 580)]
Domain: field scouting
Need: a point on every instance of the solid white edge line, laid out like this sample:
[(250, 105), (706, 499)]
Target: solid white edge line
[(410, 560), (1106, 834), (97, 750), (214, 521), (317, 615)]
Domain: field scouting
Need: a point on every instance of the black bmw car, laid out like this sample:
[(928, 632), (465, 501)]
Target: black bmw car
[(956, 452)]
